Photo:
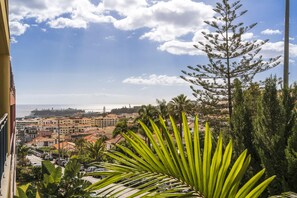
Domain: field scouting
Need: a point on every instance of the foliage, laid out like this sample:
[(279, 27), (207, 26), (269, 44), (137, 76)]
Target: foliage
[(121, 127), (125, 110), (95, 150), (289, 98), (242, 125), (173, 169), (22, 151), (178, 105), (29, 173), (56, 185), (147, 112), (79, 145), (230, 56), (87, 152), (291, 156), (45, 149), (269, 135), (163, 109)]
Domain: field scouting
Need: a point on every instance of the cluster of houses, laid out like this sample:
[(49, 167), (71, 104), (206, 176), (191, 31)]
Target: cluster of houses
[(41, 132)]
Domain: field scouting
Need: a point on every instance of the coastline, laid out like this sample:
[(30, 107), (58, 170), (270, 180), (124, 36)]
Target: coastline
[(23, 110)]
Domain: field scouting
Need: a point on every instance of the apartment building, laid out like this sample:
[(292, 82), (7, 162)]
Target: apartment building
[(109, 120), (7, 109), (22, 124)]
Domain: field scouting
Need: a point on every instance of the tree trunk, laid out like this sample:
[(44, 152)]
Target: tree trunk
[(228, 77)]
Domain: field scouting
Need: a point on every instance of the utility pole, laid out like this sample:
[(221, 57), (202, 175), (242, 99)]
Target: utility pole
[(286, 45), (59, 141)]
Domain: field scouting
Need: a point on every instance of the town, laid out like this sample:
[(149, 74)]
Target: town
[(40, 132)]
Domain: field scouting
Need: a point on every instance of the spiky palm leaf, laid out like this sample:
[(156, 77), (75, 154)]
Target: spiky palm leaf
[(173, 167)]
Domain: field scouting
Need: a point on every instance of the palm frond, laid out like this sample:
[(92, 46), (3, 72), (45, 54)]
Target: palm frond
[(175, 166)]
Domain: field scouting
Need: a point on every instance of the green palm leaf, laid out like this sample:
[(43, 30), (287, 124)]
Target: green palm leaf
[(175, 166)]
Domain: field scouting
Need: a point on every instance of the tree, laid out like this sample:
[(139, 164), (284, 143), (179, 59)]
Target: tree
[(178, 105), (289, 98), (79, 145), (121, 127), (230, 56), (252, 96), (241, 120), (55, 184), (269, 135), (147, 112), (22, 152), (291, 156), (163, 108), (174, 167), (243, 130), (95, 151), (289, 101)]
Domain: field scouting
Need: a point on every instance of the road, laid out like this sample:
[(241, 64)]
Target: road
[(36, 161)]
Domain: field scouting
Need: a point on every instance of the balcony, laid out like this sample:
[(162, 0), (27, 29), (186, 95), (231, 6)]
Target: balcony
[(7, 160)]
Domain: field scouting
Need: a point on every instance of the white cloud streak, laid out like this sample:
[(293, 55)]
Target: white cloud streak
[(270, 32), (154, 79)]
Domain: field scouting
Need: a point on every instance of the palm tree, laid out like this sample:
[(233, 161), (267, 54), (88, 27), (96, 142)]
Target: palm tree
[(162, 107), (178, 105), (22, 151), (56, 184), (121, 127), (79, 145), (175, 168), (286, 45), (95, 151), (147, 112)]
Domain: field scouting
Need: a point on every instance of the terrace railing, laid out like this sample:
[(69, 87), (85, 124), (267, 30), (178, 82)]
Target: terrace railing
[(3, 143), (3, 146)]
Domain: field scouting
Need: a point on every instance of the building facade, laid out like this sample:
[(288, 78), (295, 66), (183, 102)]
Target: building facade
[(7, 109)]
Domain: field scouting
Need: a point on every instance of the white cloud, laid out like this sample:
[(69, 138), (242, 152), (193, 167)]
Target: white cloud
[(247, 36), (62, 22), (154, 79), (180, 48), (56, 13), (272, 49), (270, 32), (17, 28), (167, 20), (13, 40), (124, 7)]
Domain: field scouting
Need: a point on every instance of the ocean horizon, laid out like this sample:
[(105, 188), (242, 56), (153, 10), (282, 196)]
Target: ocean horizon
[(23, 110)]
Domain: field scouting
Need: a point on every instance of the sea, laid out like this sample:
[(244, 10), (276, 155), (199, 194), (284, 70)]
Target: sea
[(23, 110)]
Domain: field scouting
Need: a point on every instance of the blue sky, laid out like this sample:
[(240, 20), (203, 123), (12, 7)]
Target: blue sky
[(122, 51)]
